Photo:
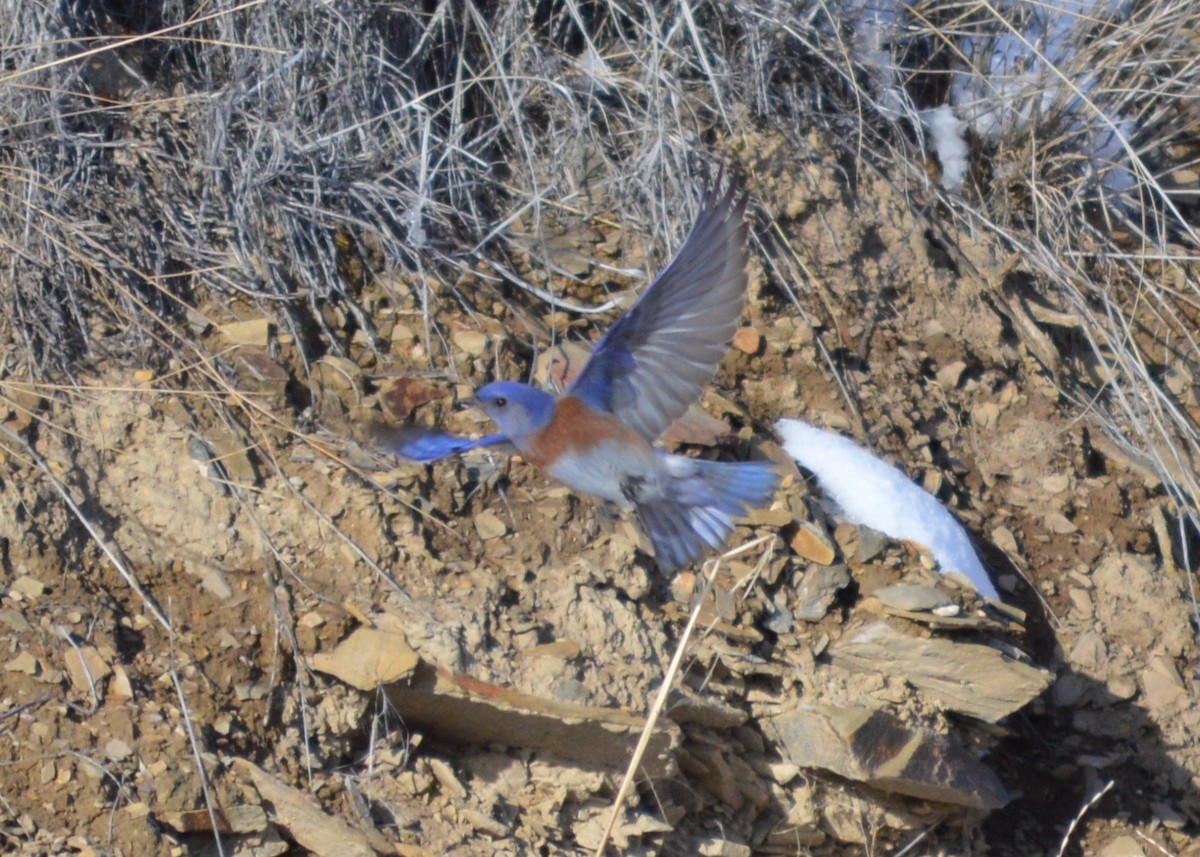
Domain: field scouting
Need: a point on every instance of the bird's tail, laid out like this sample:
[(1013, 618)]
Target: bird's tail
[(700, 501)]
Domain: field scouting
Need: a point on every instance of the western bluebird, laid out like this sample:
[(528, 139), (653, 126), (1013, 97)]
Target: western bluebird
[(652, 364)]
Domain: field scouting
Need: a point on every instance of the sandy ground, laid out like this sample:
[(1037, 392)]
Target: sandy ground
[(530, 630)]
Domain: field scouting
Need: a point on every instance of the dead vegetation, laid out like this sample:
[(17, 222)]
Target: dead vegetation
[(235, 230)]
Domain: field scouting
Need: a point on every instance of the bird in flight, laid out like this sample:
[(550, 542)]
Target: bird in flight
[(598, 437)]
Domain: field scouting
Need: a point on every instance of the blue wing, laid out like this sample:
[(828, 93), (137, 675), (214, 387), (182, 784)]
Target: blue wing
[(420, 444), (655, 360)]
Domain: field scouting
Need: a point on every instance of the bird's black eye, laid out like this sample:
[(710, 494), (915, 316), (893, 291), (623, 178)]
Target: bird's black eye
[(501, 402)]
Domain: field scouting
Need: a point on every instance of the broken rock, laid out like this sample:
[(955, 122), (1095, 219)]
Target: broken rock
[(965, 677), (465, 710), (368, 658), (875, 748)]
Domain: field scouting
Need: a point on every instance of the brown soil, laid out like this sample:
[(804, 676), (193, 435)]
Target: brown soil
[(288, 549)]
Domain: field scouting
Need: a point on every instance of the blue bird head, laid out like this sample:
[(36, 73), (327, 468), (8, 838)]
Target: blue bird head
[(517, 409)]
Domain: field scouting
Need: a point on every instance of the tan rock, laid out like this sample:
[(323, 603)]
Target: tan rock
[(812, 544), (86, 669), (874, 747), (489, 525), (304, 819), (473, 342), (969, 678), (253, 332), (368, 658), (747, 340)]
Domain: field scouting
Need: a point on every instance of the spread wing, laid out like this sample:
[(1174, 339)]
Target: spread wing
[(419, 444), (655, 360)]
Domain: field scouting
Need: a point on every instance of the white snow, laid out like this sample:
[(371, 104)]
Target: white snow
[(946, 134), (1015, 79), (879, 495)]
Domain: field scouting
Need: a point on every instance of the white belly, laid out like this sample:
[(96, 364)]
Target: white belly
[(605, 470)]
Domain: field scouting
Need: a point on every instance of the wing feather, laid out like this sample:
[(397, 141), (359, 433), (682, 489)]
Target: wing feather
[(655, 360)]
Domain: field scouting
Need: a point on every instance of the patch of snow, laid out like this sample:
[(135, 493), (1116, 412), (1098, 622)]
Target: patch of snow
[(879, 495)]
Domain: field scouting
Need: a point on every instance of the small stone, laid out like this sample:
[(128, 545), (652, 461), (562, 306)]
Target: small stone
[(1058, 523), (723, 848), (913, 597), (783, 772), (1003, 538), (489, 525), (254, 332), (566, 650), (1122, 846), (1169, 815), (447, 779), (311, 619), (747, 340), (1122, 687), (1178, 380), (950, 374), (472, 342), (871, 543), (812, 544), (144, 376), (116, 749), (27, 586), (86, 668), (770, 517), (1162, 685), (23, 663), (1082, 601), (1056, 483), (368, 658), (817, 589), (779, 619), (683, 587), (1068, 689), (1185, 176)]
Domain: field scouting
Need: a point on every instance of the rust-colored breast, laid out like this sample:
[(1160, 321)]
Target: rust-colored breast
[(576, 428)]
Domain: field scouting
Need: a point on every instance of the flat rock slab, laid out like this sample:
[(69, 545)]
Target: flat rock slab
[(465, 710), (875, 748), (968, 678)]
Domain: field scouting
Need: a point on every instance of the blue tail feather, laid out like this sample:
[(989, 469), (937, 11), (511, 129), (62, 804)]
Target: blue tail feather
[(698, 512)]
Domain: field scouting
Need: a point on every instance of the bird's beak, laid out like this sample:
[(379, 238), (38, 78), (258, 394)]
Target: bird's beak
[(469, 402)]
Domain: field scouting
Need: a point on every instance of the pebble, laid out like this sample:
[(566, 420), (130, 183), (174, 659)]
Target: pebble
[(817, 590), (27, 586), (913, 597), (1003, 538), (722, 848), (489, 525), (448, 780), (23, 663), (770, 517), (813, 545), (473, 342), (871, 543), (116, 749), (779, 619), (1122, 846), (1056, 483), (747, 340), (254, 332), (1057, 522), (950, 374)]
